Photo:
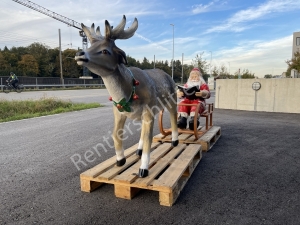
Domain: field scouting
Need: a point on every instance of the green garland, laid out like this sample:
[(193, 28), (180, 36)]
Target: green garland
[(124, 105)]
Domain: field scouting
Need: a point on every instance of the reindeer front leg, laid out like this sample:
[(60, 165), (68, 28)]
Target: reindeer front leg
[(119, 121), (147, 135)]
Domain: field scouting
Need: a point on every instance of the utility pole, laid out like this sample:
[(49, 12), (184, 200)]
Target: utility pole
[(60, 60), (173, 52), (210, 64), (182, 70)]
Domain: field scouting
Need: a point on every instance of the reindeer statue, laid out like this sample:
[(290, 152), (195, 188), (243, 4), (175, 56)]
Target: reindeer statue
[(137, 94)]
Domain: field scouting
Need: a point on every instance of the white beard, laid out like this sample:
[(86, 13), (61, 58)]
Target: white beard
[(193, 83)]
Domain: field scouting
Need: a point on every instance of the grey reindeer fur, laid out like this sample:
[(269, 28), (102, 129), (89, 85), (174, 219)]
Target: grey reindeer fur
[(156, 88)]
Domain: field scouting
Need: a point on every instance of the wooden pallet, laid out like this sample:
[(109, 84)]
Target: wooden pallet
[(207, 140), (170, 169)]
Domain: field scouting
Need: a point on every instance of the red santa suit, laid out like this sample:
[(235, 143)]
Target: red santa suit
[(195, 79)]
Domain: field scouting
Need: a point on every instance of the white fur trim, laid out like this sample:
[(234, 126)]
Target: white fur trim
[(183, 114)]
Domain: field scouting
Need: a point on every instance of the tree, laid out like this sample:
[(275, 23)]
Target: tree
[(146, 64), (4, 65), (268, 76), (177, 71), (41, 53), (132, 62), (200, 63), (220, 73), (294, 63), (11, 58), (245, 74), (69, 65), (28, 65)]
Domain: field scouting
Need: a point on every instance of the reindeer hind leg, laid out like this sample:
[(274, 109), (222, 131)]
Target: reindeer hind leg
[(172, 108)]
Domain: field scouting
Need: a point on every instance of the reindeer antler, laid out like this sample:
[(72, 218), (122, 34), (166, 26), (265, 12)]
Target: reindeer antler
[(117, 33), (91, 34)]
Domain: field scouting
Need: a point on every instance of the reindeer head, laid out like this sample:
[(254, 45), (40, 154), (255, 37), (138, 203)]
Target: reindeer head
[(104, 55)]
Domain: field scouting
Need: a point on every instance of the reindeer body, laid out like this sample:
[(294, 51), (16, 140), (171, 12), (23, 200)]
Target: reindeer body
[(155, 90)]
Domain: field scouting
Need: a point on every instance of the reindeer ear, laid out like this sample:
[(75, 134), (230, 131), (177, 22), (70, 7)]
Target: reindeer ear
[(121, 56)]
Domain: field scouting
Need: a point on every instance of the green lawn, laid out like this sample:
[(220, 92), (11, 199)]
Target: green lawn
[(17, 110)]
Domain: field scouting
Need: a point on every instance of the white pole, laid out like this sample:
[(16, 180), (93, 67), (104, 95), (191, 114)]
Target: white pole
[(182, 70), (173, 52), (210, 64)]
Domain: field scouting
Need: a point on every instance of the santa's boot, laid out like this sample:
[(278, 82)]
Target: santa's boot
[(191, 123), (182, 122)]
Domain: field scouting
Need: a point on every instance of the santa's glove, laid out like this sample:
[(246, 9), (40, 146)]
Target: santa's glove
[(180, 94), (205, 94)]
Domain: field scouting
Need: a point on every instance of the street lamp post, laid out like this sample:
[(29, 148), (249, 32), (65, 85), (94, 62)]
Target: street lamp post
[(173, 52), (210, 64)]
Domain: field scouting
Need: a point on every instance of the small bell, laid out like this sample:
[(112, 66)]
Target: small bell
[(135, 97)]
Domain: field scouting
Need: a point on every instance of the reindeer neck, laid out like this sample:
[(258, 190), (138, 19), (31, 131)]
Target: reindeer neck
[(119, 84)]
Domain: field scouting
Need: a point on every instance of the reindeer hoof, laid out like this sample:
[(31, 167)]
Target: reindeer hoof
[(121, 162), (143, 172), (175, 143), (139, 152)]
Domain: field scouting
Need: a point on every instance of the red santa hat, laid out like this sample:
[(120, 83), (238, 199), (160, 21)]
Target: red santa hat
[(197, 71)]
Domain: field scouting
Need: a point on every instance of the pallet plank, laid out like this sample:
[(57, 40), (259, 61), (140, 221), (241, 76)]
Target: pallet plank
[(109, 163), (158, 137), (210, 138), (170, 177), (130, 175), (108, 175), (159, 166), (100, 168)]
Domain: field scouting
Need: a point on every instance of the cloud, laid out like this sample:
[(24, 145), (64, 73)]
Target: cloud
[(202, 8), (236, 23), (260, 57), (215, 5), (151, 42)]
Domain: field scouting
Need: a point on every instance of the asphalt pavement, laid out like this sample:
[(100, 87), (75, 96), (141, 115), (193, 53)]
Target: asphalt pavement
[(250, 176)]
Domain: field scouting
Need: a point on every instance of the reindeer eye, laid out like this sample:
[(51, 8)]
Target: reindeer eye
[(105, 52)]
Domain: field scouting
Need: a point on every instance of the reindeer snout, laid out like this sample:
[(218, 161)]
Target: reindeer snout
[(81, 57), (80, 53)]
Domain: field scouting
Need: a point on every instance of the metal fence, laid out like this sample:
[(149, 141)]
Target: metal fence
[(48, 82)]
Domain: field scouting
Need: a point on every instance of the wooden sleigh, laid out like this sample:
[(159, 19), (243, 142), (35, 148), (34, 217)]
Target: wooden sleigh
[(205, 135)]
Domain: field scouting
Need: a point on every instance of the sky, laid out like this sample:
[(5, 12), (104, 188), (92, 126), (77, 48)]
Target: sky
[(255, 35)]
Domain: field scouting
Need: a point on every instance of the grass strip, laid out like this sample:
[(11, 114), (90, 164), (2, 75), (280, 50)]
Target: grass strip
[(17, 110)]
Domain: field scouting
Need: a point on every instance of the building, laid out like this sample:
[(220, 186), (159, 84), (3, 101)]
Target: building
[(296, 48)]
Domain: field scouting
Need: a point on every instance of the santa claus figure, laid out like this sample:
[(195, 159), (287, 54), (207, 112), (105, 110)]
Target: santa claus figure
[(200, 92)]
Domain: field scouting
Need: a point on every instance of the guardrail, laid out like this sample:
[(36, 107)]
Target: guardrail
[(43, 82)]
